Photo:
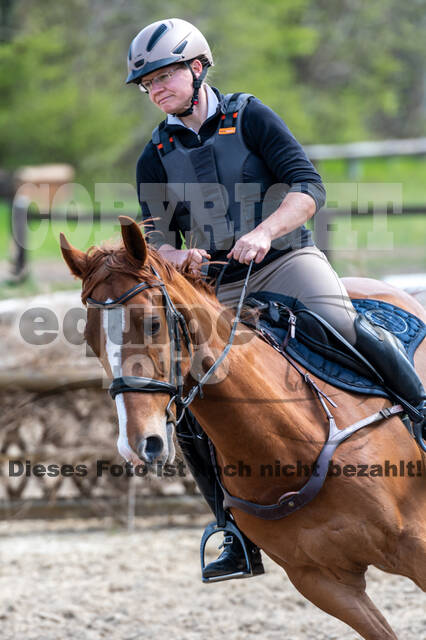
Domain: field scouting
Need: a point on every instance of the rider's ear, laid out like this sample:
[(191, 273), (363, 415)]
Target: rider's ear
[(133, 239), (75, 259)]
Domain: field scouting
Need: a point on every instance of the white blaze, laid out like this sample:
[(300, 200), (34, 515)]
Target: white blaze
[(113, 321)]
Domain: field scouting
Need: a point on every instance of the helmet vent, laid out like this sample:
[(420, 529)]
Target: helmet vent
[(180, 47), (139, 63), (161, 30)]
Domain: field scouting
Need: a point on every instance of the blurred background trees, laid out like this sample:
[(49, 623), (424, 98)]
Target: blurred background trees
[(336, 71)]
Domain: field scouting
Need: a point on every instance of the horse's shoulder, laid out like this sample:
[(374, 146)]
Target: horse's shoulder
[(378, 290)]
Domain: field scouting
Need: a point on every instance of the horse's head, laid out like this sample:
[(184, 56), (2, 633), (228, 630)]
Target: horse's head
[(133, 336)]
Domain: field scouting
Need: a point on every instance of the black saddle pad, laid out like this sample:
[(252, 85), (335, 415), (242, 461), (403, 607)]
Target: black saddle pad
[(321, 353)]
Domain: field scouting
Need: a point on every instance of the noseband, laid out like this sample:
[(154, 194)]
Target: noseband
[(178, 333)]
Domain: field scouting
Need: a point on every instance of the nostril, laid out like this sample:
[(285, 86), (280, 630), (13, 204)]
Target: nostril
[(150, 448), (154, 445)]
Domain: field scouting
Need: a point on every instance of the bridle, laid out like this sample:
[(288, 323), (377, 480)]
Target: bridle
[(178, 333)]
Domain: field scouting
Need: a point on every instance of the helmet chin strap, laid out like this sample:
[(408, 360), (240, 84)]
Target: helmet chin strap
[(196, 83)]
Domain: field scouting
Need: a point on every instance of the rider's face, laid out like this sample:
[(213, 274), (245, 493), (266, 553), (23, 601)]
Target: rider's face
[(172, 94)]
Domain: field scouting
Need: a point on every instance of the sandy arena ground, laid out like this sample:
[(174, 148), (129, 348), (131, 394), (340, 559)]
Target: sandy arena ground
[(87, 580)]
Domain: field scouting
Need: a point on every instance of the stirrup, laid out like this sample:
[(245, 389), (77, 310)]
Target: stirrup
[(228, 529)]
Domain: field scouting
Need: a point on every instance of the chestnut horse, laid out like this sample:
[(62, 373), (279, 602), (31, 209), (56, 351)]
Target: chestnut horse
[(257, 411)]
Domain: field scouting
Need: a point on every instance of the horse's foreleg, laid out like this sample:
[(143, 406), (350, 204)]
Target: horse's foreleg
[(342, 596)]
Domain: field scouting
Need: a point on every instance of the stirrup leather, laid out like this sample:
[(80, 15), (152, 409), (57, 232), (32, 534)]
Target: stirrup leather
[(229, 529), (419, 429)]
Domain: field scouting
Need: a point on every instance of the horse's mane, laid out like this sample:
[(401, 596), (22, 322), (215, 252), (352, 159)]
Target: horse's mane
[(111, 258)]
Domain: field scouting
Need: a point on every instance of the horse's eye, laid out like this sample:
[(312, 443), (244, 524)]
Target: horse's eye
[(151, 326)]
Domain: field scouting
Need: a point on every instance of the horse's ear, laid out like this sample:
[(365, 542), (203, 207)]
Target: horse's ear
[(133, 239), (75, 259)]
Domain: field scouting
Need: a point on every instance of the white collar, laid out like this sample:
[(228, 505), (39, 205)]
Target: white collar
[(212, 103)]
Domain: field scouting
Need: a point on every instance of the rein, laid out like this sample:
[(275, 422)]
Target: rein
[(178, 331)]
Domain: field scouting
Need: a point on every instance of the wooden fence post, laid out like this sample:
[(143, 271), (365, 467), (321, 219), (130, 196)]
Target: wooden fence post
[(18, 221)]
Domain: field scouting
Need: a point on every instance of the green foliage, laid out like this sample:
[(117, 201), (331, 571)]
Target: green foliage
[(406, 172), (60, 104), (4, 230), (366, 69), (335, 71)]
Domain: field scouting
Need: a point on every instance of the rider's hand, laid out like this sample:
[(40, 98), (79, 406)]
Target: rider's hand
[(178, 256), (252, 246)]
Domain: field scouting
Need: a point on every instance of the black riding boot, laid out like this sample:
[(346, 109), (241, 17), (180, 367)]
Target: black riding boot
[(232, 559), (197, 456), (387, 355)]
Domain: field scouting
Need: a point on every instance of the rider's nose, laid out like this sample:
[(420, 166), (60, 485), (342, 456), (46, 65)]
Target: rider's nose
[(157, 92), (150, 448)]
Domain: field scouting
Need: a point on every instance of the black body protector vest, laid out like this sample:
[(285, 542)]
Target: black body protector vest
[(227, 189)]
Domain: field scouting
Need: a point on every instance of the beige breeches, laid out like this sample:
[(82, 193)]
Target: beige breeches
[(307, 275)]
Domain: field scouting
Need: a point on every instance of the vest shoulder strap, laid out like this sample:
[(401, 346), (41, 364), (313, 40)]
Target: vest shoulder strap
[(231, 105), (162, 140), (234, 101), (156, 135)]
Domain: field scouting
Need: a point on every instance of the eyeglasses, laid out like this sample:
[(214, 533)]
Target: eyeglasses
[(161, 80)]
